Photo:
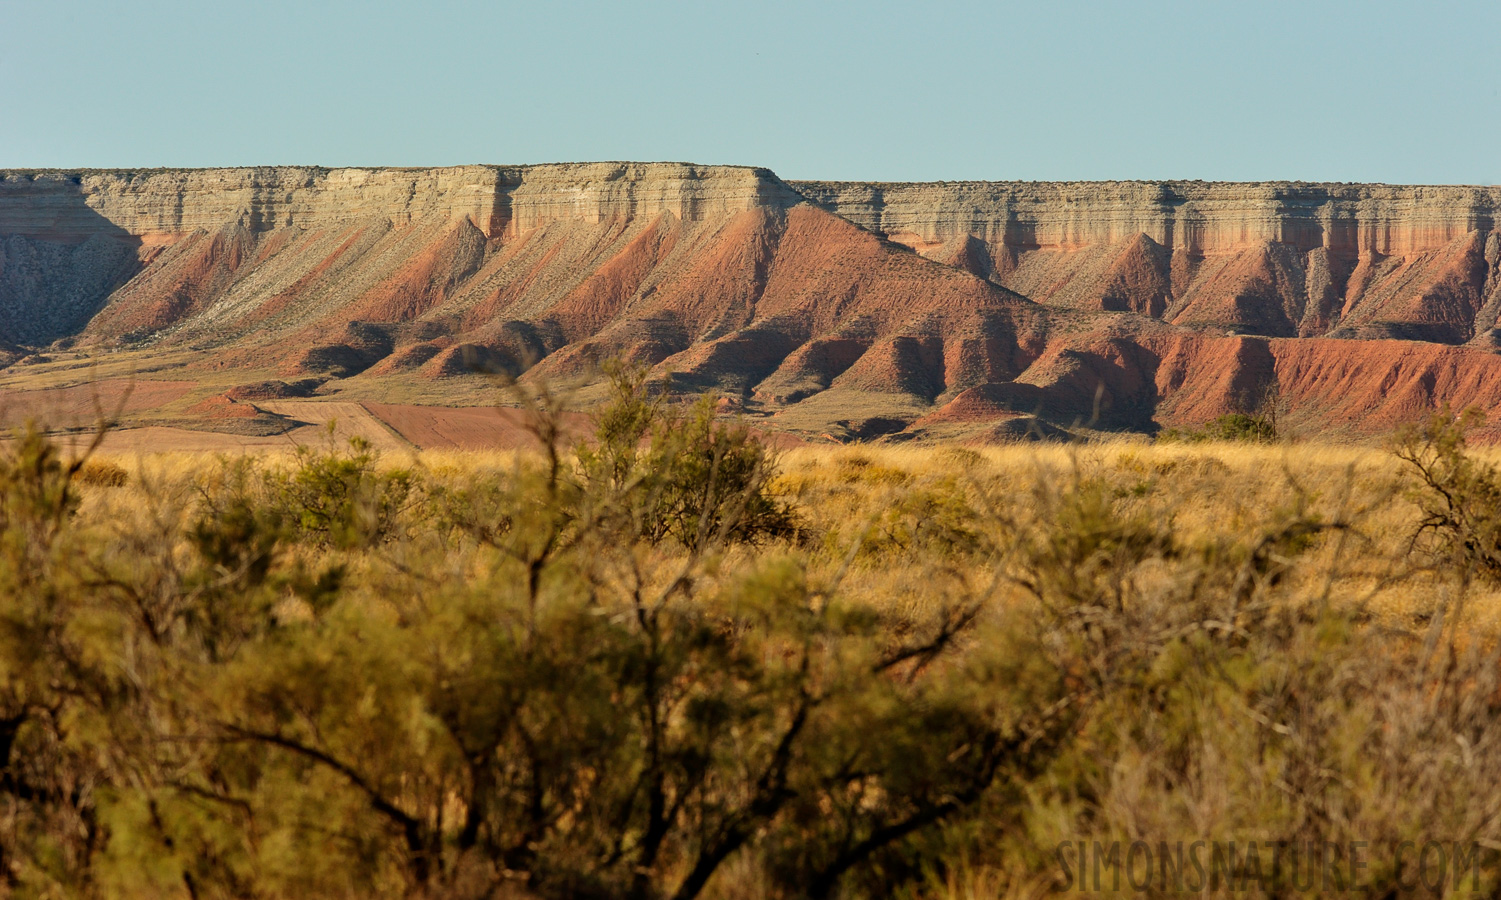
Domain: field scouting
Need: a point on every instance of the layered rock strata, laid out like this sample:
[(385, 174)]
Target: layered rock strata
[(154, 204), (1280, 259), (862, 307), (1194, 216)]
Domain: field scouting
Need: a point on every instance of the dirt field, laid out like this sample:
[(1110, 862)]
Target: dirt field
[(388, 427), (83, 404), (462, 428), (350, 420)]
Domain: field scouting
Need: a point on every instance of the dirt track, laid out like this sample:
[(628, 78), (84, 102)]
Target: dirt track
[(464, 428), (390, 428), (350, 419)]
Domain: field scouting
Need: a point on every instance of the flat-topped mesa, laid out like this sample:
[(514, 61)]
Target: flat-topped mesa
[(1199, 217), (165, 204), (161, 205), (531, 196), (1180, 301)]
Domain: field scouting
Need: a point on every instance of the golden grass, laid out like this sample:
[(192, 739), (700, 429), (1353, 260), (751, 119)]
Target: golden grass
[(905, 530), (1208, 491)]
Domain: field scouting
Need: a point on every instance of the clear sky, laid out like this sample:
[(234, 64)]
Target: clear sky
[(912, 91)]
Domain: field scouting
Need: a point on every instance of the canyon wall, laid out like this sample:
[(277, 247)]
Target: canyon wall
[(1279, 259), (831, 308), (156, 204), (1195, 216)]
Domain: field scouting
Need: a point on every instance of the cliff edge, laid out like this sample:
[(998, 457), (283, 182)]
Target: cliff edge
[(835, 308)]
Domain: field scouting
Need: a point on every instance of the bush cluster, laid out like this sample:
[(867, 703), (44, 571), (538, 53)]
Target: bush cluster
[(633, 669), (1459, 496), (1231, 427)]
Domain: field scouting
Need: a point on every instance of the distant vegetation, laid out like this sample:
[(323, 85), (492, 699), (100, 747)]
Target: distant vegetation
[(1257, 429), (672, 663)]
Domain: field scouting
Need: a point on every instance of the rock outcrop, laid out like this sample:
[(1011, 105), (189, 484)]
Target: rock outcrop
[(1279, 259), (1194, 216), (160, 205), (1126, 305)]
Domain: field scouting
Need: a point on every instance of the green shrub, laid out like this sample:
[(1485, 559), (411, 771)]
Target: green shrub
[(47, 669), (1460, 496), (342, 498), (1242, 427), (594, 677), (929, 522), (1232, 427), (680, 475)]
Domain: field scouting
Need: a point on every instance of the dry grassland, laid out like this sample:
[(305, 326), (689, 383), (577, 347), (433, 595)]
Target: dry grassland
[(669, 665)]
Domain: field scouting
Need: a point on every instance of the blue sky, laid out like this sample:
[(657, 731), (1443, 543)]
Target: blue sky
[(1376, 91)]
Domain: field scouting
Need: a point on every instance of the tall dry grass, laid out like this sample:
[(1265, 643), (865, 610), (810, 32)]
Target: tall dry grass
[(498, 674)]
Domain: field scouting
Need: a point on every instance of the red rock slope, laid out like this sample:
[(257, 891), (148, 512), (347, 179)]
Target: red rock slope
[(1128, 305)]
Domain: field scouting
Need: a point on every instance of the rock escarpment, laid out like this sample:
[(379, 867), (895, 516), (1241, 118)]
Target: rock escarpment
[(160, 204), (850, 308), (1268, 258), (1195, 216)]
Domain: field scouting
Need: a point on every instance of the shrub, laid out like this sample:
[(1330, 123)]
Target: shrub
[(46, 668), (342, 498), (102, 473), (1460, 497), (595, 717), (1224, 697), (1242, 427), (932, 521), (1233, 427), (680, 474), (553, 694)]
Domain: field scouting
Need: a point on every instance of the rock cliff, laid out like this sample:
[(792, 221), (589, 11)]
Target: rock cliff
[(1193, 216), (1281, 259), (157, 204), (852, 309)]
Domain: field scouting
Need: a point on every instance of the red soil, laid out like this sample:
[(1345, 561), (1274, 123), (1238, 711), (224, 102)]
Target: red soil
[(602, 296), (1140, 279), (288, 297), (222, 407), (988, 402), (466, 428), (426, 280), (785, 300), (726, 275), (500, 299), (1376, 385), (182, 281), (83, 404), (1442, 290)]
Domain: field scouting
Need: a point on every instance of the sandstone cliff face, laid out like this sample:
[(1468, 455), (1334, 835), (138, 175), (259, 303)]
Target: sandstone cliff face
[(1108, 302), (1198, 217), (1274, 258), (211, 219), (158, 205)]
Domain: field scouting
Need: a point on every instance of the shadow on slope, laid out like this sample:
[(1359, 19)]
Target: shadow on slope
[(60, 262)]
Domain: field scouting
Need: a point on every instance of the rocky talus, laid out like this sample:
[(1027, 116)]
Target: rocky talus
[(856, 310)]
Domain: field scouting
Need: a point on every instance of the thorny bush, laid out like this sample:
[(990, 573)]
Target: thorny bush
[(1460, 496), (620, 671)]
